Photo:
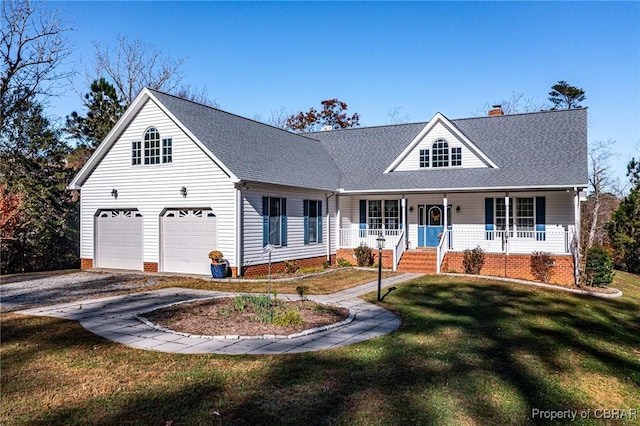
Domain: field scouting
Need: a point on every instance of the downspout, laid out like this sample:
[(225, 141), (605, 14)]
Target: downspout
[(238, 220)]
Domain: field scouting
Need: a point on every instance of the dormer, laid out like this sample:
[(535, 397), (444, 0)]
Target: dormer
[(440, 145)]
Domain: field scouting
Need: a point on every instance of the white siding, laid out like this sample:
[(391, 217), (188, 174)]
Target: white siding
[(152, 188), (439, 131), (295, 249)]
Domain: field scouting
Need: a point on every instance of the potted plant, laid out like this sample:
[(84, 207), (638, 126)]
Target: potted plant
[(218, 264)]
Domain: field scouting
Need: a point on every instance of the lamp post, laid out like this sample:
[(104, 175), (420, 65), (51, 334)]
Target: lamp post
[(380, 241)]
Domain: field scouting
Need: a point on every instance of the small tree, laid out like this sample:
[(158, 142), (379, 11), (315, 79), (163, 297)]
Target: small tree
[(542, 266), (565, 96), (473, 261), (599, 267)]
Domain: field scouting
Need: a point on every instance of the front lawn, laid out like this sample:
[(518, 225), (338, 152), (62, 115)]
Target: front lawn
[(469, 352)]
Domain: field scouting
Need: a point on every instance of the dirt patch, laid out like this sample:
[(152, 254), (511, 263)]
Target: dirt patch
[(217, 317)]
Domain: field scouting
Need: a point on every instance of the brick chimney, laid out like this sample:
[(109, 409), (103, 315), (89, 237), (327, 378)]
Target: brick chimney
[(495, 111)]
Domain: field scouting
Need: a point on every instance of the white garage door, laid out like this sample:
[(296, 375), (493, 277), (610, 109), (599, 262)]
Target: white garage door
[(187, 238), (119, 239)]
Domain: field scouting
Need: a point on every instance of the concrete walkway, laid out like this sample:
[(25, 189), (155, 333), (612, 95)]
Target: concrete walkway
[(115, 318)]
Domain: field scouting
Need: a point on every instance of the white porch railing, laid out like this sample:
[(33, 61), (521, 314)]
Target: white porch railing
[(352, 238), (442, 248), (398, 250), (557, 241)]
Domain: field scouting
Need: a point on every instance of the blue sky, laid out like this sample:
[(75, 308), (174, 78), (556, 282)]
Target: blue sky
[(421, 57)]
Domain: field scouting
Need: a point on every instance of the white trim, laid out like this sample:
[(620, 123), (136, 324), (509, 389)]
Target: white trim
[(439, 117), (455, 190)]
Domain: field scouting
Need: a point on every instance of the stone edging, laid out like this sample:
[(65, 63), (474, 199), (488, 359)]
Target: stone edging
[(303, 333), (617, 293)]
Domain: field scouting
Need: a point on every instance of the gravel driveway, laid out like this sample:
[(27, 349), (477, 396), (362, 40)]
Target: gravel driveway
[(32, 290)]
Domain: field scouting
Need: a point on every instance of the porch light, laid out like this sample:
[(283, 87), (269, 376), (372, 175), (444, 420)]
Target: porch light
[(457, 209), (183, 191), (114, 193), (380, 241), (410, 209)]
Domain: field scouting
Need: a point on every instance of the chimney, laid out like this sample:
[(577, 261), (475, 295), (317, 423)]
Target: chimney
[(495, 111)]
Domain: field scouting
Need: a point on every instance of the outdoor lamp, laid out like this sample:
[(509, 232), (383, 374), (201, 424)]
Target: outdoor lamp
[(183, 191), (380, 241), (114, 193)]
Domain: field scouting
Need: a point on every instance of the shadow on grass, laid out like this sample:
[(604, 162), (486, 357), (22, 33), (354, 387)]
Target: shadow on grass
[(471, 353)]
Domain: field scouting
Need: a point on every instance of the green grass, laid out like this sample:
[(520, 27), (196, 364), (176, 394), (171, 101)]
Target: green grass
[(469, 351)]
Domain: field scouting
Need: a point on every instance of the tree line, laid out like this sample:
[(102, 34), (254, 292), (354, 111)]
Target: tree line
[(39, 217)]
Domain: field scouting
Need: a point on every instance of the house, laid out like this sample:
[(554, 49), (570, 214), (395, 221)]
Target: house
[(175, 179)]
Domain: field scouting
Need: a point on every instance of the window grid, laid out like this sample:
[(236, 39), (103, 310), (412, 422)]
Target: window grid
[(275, 221), (525, 214), (313, 221), (136, 153), (424, 158), (501, 213), (167, 150), (440, 153), (375, 214), (456, 156), (152, 146), (391, 214)]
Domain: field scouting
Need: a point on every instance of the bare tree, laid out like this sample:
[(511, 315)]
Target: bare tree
[(396, 116), (518, 103), (601, 184), (132, 66), (32, 46), (200, 96)]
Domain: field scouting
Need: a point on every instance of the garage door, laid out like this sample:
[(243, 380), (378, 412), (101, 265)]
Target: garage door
[(187, 238), (119, 239)]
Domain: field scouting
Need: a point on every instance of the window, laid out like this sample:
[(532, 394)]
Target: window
[(379, 214), (152, 146), (424, 158), (391, 214), (501, 209), (312, 221), (136, 153), (166, 150), (456, 156), (375, 214), (440, 153), (525, 218), (274, 221)]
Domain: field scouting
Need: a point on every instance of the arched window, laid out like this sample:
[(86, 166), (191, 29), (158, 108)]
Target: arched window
[(152, 146), (440, 153)]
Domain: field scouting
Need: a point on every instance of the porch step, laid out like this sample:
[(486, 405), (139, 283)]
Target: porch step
[(420, 261)]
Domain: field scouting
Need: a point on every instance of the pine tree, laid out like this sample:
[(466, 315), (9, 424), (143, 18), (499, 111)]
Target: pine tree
[(624, 227)]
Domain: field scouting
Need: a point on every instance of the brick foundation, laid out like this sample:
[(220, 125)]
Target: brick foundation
[(150, 267), (86, 263), (517, 266), (279, 268), (347, 254)]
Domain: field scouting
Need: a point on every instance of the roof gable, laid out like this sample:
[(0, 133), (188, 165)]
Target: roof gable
[(439, 127)]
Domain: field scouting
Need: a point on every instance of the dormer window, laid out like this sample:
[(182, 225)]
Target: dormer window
[(440, 155), (153, 151)]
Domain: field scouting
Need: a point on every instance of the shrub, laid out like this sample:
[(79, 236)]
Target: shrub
[(343, 262), (325, 265), (302, 291), (309, 270), (364, 256), (599, 267), (291, 266), (542, 266), (473, 260), (286, 317)]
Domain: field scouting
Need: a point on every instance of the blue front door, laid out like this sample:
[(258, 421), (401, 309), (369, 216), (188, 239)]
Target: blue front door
[(430, 225)]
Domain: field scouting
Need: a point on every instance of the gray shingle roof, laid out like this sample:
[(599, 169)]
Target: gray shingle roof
[(531, 150), (254, 151)]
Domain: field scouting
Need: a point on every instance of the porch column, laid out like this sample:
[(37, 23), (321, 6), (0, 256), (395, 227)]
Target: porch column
[(338, 223), (444, 204), (507, 223), (576, 236)]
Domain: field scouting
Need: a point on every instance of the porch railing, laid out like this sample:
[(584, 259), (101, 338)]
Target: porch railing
[(556, 241), (398, 250), (352, 238), (442, 248)]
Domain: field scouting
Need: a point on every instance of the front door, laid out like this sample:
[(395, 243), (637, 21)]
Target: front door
[(430, 225)]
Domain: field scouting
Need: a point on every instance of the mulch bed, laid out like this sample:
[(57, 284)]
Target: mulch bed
[(216, 317)]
